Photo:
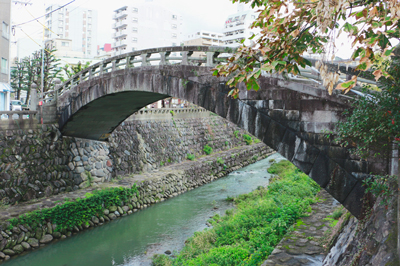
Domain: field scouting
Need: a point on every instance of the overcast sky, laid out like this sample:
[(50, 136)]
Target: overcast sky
[(198, 15)]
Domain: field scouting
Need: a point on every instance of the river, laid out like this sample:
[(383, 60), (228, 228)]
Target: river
[(134, 239)]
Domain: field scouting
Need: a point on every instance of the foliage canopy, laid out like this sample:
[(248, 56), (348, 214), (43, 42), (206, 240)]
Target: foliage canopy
[(290, 28)]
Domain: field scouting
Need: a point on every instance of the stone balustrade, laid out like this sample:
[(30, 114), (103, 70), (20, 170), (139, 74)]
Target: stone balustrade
[(174, 55), (13, 120), (168, 113)]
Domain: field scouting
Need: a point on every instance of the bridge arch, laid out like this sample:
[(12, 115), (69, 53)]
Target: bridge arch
[(289, 117)]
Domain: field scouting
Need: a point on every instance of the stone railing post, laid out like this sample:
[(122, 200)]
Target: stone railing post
[(185, 57), (34, 99), (164, 58), (211, 58), (145, 58), (128, 61)]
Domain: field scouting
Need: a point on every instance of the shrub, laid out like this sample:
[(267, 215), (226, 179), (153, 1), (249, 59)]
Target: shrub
[(190, 157), (236, 133), (75, 213), (220, 160), (337, 214), (248, 139), (207, 149)]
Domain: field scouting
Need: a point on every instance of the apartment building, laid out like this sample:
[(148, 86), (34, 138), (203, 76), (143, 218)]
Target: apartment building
[(75, 23), (203, 38), (237, 26), (5, 88), (145, 26)]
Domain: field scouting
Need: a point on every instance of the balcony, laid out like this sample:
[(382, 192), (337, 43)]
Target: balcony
[(119, 24), (120, 33), (120, 14), (120, 43)]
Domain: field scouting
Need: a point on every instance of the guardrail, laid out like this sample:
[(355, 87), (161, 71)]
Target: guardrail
[(14, 120), (168, 113), (18, 115), (157, 111), (174, 55)]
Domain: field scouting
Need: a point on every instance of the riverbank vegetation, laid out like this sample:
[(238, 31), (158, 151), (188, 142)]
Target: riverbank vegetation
[(74, 213), (249, 233)]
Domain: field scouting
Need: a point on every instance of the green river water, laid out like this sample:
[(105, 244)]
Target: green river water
[(134, 239)]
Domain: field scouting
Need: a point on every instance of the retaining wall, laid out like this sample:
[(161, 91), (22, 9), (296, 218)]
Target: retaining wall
[(161, 186), (40, 162)]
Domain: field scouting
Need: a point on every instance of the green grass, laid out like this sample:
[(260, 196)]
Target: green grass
[(248, 234)]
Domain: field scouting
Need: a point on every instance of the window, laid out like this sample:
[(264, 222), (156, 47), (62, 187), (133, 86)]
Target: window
[(89, 13), (174, 35), (134, 29), (135, 20), (5, 31), (89, 33), (174, 44), (174, 17), (60, 30), (4, 66), (174, 26), (135, 10), (65, 44), (134, 39)]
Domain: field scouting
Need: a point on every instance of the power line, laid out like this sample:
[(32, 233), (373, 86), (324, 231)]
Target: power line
[(13, 26)]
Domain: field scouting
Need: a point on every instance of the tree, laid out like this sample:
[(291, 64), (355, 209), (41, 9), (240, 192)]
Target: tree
[(51, 69), (290, 28), (29, 72), (71, 70), (17, 78)]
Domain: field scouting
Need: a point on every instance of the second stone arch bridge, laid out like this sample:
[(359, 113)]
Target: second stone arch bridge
[(289, 116)]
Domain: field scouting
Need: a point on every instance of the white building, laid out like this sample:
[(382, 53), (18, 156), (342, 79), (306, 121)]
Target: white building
[(205, 38), (237, 26), (5, 88), (145, 26), (75, 23)]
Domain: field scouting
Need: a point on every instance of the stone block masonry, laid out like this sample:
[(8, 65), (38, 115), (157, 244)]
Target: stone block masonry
[(38, 163), (146, 145), (153, 187)]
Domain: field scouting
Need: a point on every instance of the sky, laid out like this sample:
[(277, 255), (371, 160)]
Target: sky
[(198, 15)]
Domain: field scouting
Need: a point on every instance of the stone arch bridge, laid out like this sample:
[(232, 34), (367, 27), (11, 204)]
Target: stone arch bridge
[(288, 116)]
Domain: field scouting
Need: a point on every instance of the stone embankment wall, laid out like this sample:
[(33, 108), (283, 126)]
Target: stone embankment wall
[(139, 145), (161, 186), (368, 242), (40, 162)]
